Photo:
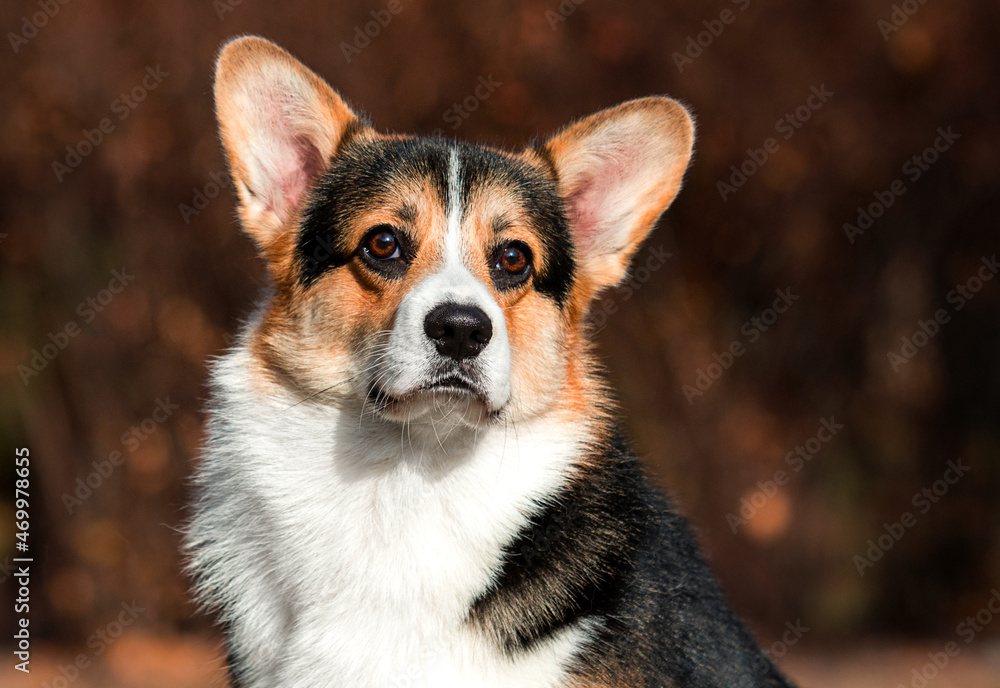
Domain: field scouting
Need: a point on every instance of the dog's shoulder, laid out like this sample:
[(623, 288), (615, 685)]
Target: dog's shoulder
[(610, 552)]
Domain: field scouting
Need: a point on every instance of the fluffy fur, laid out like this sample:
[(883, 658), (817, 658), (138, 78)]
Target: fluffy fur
[(371, 510)]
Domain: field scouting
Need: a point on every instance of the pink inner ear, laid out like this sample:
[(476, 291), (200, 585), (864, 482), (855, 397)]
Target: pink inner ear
[(290, 159), (599, 205), (297, 171), (585, 213)]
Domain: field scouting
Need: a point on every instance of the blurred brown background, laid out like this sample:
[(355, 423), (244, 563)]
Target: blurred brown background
[(127, 371)]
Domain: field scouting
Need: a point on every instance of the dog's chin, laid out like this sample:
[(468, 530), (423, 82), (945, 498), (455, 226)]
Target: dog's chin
[(449, 402)]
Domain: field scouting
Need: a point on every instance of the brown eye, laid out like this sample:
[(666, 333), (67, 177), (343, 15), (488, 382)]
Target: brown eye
[(381, 244), (384, 250), (511, 265), (513, 259)]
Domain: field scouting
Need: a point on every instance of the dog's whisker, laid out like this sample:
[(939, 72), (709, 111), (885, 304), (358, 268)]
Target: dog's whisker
[(322, 391)]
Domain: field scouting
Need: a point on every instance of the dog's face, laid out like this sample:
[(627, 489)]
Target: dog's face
[(440, 273), (424, 277)]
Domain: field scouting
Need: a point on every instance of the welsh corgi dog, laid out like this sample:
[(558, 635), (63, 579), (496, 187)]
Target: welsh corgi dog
[(415, 473)]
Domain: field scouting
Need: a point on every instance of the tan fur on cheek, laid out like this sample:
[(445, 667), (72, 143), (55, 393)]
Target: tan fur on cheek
[(538, 369), (315, 338)]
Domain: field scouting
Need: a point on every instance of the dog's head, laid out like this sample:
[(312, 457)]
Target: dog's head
[(426, 277)]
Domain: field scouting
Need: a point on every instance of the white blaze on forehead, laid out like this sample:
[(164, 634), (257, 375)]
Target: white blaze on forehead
[(454, 276), (455, 281), (453, 233)]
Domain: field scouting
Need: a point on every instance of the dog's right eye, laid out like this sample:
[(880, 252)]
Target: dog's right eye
[(382, 250)]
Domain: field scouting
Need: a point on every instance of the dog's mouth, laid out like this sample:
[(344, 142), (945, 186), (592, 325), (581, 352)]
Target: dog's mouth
[(452, 384), (448, 388)]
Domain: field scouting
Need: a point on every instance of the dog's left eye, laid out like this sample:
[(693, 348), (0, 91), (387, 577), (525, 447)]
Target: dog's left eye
[(381, 244), (511, 265), (513, 260)]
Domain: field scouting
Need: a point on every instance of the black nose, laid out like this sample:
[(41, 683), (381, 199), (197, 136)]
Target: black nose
[(458, 331)]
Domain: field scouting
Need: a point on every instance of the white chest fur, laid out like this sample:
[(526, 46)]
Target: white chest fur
[(347, 552)]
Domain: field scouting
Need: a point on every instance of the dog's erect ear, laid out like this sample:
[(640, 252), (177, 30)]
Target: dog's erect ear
[(280, 124), (618, 170)]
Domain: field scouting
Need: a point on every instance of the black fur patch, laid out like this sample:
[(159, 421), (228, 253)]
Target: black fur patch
[(574, 560), (363, 175), (609, 551)]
